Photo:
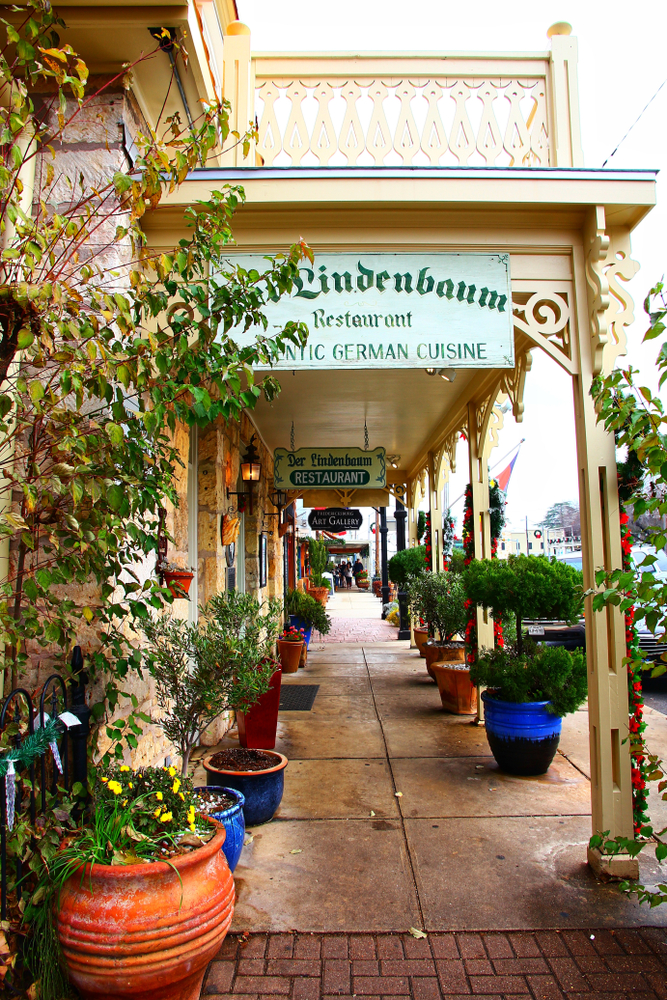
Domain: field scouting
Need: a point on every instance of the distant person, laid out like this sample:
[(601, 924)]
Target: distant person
[(358, 567), (348, 575)]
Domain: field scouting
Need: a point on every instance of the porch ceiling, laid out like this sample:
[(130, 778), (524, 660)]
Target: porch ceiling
[(401, 409)]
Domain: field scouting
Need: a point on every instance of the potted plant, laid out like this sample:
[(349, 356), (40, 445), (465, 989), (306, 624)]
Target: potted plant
[(226, 806), (258, 774), (404, 567), (141, 894), (318, 558), (376, 584), (306, 613), (530, 686), (527, 695), (177, 580), (222, 662), (362, 580), (290, 645)]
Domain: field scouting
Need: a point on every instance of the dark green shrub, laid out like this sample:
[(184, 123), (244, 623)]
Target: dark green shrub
[(318, 558), (528, 586), (542, 673), (407, 563), (306, 607), (457, 561)]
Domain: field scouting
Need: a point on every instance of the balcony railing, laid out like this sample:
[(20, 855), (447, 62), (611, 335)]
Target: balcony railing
[(461, 110)]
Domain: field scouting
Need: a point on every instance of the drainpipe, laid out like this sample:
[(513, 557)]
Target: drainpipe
[(27, 177)]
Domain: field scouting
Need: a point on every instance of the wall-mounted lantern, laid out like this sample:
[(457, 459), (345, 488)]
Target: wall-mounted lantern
[(251, 471)]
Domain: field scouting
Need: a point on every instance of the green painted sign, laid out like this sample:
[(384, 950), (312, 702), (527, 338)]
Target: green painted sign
[(329, 468), (397, 310)]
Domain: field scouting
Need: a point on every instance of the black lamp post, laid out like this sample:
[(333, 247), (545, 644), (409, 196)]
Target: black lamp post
[(404, 624)]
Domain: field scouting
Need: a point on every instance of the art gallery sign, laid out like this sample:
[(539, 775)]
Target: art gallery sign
[(403, 310), (335, 519), (329, 469)]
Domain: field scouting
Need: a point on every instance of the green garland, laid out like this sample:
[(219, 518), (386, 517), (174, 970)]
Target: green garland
[(34, 745)]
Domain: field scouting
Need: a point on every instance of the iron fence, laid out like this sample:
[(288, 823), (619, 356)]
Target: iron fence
[(34, 781)]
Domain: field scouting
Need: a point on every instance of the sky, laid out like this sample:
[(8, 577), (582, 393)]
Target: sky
[(621, 66)]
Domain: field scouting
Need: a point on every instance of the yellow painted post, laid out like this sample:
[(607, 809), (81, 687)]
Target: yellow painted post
[(434, 510), (481, 519), (564, 89), (238, 88), (611, 784)]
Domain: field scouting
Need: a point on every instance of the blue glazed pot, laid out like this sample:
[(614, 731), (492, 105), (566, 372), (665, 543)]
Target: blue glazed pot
[(523, 737), (262, 790), (232, 820), (302, 623)]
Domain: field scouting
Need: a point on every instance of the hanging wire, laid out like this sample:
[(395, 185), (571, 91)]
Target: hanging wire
[(292, 439), (366, 443), (634, 123)]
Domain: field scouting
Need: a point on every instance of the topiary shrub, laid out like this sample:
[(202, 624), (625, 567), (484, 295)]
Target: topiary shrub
[(405, 564), (438, 599), (528, 586)]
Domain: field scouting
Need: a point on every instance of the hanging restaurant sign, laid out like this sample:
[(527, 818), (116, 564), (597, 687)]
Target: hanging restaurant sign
[(396, 310), (335, 519), (329, 468)]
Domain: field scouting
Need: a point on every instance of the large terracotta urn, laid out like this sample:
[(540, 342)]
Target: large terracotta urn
[(421, 638), (138, 932), (289, 654), (321, 594), (457, 692), (435, 653)]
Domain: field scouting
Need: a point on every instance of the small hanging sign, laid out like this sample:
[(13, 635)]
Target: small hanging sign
[(329, 469), (335, 519)]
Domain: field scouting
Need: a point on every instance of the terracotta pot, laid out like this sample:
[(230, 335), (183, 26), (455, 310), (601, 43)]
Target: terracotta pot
[(320, 594), (421, 636), (258, 726), (140, 931), (434, 653), (377, 588), (178, 581), (457, 693), (289, 654)]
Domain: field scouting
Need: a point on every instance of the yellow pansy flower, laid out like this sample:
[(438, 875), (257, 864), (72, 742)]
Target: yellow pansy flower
[(157, 811), (166, 817), (181, 796), (192, 827), (159, 796), (172, 772), (130, 785), (104, 780), (115, 787), (124, 767), (176, 785), (124, 802)]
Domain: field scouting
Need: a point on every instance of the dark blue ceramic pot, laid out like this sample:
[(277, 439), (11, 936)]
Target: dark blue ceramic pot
[(232, 820), (262, 790), (523, 737), (302, 623)]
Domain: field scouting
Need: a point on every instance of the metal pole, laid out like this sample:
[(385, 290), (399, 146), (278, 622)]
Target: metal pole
[(404, 624), (79, 734), (383, 550)]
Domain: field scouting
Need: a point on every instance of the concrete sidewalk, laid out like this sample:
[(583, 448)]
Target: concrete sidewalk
[(395, 816)]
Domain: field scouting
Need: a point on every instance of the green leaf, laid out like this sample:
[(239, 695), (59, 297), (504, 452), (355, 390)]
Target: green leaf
[(122, 182), (115, 434), (25, 338), (115, 497), (36, 390)]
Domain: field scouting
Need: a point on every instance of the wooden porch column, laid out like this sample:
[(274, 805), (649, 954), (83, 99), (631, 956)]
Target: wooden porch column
[(481, 520), (239, 88), (611, 786), (434, 507)]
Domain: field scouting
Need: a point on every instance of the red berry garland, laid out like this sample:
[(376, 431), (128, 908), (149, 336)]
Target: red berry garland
[(636, 724)]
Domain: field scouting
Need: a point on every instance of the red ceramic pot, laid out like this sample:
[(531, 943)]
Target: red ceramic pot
[(137, 932), (178, 582), (257, 727)]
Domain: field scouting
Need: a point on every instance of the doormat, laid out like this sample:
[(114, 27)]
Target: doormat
[(298, 697)]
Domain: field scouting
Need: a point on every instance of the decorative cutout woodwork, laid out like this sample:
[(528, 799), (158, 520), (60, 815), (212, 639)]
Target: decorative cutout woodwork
[(514, 381), (545, 317), (478, 119)]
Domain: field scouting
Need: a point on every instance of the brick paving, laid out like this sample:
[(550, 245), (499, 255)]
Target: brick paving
[(358, 630), (542, 965)]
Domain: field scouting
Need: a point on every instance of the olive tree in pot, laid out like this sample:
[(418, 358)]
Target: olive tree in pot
[(530, 687), (318, 558), (439, 600), (223, 662)]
